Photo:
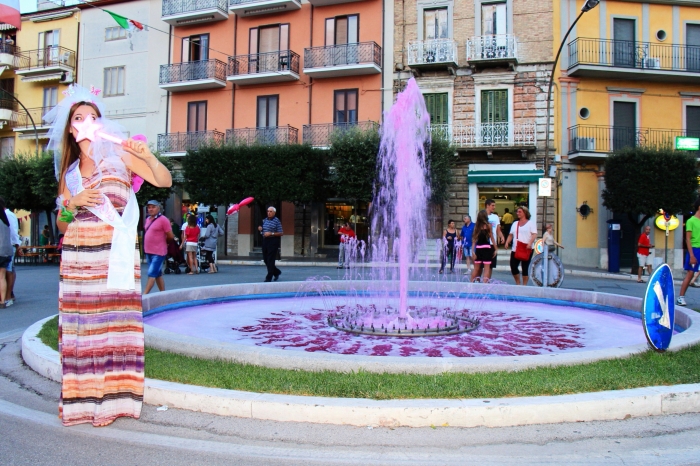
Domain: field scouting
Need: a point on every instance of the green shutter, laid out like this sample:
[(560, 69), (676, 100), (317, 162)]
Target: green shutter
[(437, 106), (494, 106)]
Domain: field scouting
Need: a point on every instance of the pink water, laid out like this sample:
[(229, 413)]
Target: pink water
[(507, 329)]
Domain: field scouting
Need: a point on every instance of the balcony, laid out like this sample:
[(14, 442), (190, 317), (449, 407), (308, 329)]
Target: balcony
[(8, 112), (493, 50), (23, 124), (617, 59), (186, 12), (262, 7), (320, 135), (520, 135), (431, 54), (596, 142), (261, 68), (177, 144), (8, 55), (330, 2), (262, 136), (333, 61), (193, 75), (47, 64)]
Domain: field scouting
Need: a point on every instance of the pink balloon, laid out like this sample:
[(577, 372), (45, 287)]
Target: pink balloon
[(235, 207)]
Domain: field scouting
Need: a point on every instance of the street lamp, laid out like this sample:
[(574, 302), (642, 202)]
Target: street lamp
[(588, 6)]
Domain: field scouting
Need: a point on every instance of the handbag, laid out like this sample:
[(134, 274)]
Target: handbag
[(522, 252)]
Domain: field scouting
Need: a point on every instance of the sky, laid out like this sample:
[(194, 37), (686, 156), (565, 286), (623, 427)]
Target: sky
[(28, 6)]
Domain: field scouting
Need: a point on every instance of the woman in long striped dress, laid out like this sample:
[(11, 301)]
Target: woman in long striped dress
[(100, 321)]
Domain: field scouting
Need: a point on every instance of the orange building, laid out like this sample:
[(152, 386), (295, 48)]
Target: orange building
[(274, 72)]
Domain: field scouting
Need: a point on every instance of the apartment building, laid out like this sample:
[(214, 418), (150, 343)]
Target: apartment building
[(483, 67), (629, 76), (272, 72)]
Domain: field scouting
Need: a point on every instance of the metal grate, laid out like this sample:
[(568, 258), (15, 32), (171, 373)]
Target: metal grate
[(343, 55), (193, 71), (268, 62)]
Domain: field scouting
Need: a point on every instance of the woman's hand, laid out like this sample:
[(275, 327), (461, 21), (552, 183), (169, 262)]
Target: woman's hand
[(86, 198), (140, 150)]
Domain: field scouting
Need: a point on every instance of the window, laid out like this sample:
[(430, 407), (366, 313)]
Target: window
[(267, 111), (7, 147), (49, 38), (494, 19), (437, 105), (692, 120), (195, 48), (494, 106), (345, 106), (273, 42), (435, 24), (196, 116), (114, 81), (48, 44), (115, 33), (50, 97), (342, 30)]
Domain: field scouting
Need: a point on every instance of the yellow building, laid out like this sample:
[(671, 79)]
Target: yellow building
[(37, 63), (629, 75)]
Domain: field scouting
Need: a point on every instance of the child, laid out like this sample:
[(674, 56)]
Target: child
[(485, 246)]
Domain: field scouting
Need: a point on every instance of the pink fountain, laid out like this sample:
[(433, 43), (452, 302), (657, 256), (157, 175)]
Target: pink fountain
[(399, 229)]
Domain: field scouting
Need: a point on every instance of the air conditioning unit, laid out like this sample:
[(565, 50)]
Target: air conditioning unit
[(65, 58), (67, 77), (653, 63), (584, 144)]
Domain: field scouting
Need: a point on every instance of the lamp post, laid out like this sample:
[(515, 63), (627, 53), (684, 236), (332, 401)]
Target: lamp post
[(588, 6)]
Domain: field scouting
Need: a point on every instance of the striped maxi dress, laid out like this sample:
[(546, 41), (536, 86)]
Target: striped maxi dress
[(100, 330)]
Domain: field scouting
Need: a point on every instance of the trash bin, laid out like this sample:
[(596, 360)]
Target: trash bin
[(614, 234)]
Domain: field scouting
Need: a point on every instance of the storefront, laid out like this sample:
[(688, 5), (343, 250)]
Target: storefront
[(510, 185), (336, 213)]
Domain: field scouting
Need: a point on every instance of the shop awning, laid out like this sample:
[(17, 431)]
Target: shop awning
[(504, 176)]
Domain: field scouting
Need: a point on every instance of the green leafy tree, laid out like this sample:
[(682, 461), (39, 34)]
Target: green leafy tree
[(353, 155), (148, 191), (640, 181), (440, 158)]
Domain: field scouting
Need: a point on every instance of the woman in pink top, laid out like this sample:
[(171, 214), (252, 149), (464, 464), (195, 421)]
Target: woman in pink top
[(190, 237)]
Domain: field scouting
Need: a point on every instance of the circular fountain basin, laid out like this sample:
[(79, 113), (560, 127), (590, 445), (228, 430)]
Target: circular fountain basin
[(521, 327)]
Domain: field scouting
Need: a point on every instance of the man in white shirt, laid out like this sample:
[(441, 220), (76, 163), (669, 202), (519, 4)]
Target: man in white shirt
[(490, 207), (11, 275)]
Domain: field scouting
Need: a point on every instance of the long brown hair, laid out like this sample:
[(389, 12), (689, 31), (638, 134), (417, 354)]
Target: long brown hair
[(70, 152), (482, 221)]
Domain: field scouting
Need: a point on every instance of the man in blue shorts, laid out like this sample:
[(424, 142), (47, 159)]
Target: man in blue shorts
[(155, 244), (692, 239), (466, 237)]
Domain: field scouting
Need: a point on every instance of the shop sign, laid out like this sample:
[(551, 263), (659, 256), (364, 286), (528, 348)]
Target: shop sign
[(686, 143)]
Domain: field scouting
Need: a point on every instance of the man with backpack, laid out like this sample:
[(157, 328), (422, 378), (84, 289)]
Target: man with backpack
[(157, 233)]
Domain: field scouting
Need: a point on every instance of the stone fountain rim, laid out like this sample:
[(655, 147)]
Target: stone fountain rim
[(300, 360)]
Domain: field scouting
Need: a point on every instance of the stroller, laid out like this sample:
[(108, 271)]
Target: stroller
[(174, 259), (202, 256)]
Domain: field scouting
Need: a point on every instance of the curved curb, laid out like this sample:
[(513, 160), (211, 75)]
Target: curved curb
[(498, 412), (277, 358)]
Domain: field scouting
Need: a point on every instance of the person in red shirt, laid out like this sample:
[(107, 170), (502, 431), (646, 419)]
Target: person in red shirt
[(644, 254), (190, 238), (346, 232), (156, 236)]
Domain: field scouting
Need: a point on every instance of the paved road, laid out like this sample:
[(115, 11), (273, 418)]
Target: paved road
[(31, 433)]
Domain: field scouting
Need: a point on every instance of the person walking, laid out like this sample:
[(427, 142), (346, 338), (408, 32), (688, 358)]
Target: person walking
[(211, 235), (449, 236), (525, 233), (157, 234), (271, 230), (466, 236), (6, 250), (346, 233), (11, 275), (485, 247), (692, 256), (190, 241), (495, 222), (100, 321), (548, 238), (645, 255)]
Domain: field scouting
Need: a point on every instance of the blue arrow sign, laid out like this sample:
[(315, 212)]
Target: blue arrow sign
[(658, 309)]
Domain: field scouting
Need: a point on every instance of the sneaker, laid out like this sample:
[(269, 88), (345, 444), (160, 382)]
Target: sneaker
[(9, 302), (681, 301)]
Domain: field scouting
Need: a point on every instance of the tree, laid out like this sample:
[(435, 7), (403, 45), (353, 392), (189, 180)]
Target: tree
[(270, 174), (440, 158), (353, 154), (640, 181)]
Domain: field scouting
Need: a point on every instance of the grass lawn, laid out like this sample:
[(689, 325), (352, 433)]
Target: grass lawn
[(647, 369)]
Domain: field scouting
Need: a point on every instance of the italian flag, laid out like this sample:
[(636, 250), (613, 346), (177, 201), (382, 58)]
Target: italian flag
[(123, 21), (9, 13)]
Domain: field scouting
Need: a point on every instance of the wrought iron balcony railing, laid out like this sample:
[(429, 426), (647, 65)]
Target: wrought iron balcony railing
[(631, 54), (8, 104), (176, 7), (320, 135), (259, 63), (183, 142), (37, 114), (9, 48), (492, 47), (193, 71), (47, 57), (343, 55), (263, 136), (508, 134), (607, 139), (431, 52)]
